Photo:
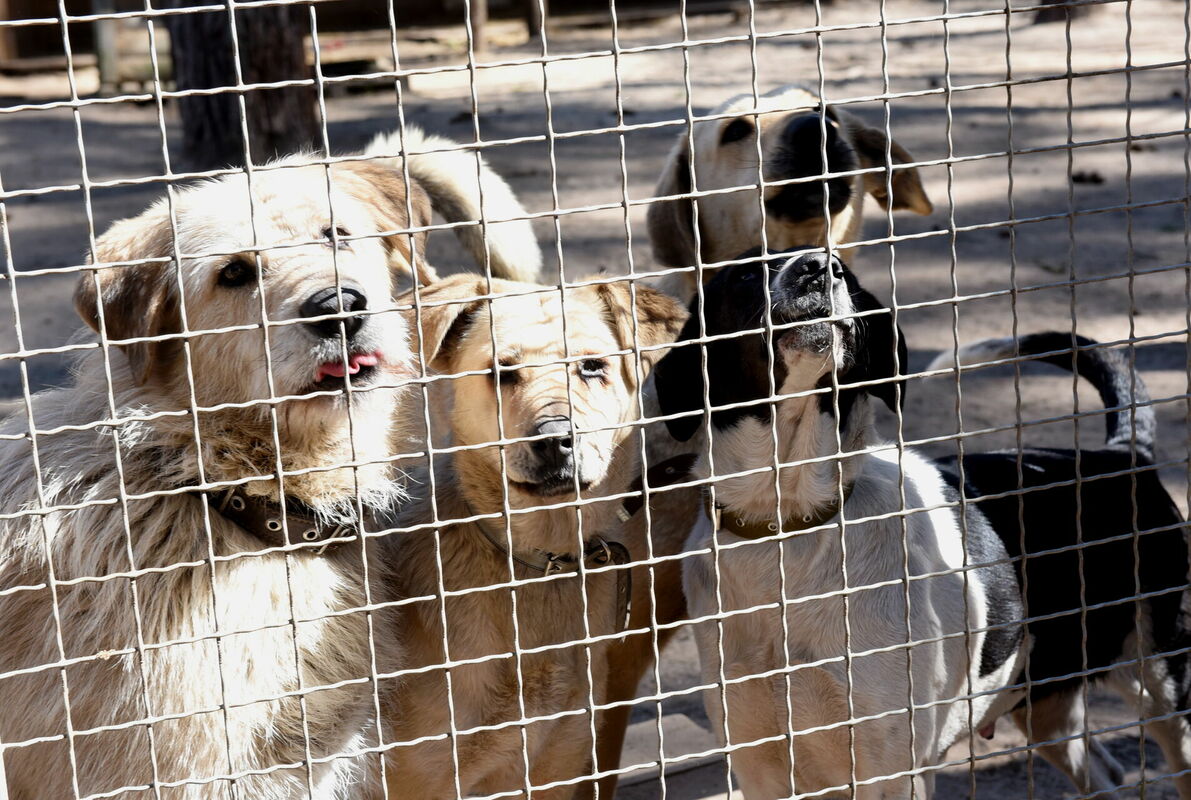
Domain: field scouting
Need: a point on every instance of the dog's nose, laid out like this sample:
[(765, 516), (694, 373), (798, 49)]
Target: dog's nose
[(809, 135), (814, 264), (326, 301), (554, 452), (807, 273)]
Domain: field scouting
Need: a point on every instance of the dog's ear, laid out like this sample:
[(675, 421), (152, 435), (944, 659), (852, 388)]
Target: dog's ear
[(877, 344), (908, 193), (659, 318), (671, 223), (447, 308), (678, 379), (382, 190), (138, 300)]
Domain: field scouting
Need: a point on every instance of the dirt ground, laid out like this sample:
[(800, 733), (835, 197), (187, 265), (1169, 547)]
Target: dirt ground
[(1001, 223)]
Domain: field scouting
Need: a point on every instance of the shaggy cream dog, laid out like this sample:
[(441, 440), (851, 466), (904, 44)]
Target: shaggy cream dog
[(168, 624)]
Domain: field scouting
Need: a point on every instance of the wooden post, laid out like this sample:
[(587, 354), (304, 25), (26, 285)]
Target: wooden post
[(1060, 12), (478, 10), (272, 48), (535, 17), (107, 47), (3, 782), (8, 47)]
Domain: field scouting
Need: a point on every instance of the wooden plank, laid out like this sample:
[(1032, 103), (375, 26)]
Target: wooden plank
[(8, 51)]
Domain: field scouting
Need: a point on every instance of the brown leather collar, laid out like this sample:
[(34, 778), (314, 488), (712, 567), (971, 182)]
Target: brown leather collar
[(597, 552), (263, 519), (725, 520)]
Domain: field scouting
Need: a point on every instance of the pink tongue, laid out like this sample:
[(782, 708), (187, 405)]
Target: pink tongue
[(355, 362)]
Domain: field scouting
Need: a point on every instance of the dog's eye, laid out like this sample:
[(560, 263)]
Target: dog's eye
[(746, 275), (237, 272), (507, 373), (736, 130), (340, 233), (592, 368)]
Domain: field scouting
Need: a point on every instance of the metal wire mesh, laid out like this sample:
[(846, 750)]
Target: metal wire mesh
[(462, 631)]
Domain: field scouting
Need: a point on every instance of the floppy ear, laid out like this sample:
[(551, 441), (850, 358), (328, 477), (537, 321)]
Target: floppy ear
[(443, 325), (658, 320), (678, 379), (908, 193), (382, 190), (879, 341), (139, 300), (671, 222)]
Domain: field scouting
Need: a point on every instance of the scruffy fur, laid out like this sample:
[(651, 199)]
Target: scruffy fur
[(213, 645), (457, 337)]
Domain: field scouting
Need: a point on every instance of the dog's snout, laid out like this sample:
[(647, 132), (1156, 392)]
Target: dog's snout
[(812, 265), (326, 301), (555, 451), (804, 142), (810, 275), (810, 134)]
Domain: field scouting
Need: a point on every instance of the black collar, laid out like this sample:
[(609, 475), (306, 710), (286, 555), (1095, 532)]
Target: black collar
[(264, 519)]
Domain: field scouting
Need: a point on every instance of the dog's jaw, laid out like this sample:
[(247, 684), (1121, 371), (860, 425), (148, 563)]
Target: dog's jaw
[(551, 529)]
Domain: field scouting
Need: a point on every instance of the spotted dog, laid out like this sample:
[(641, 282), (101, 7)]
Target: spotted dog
[(900, 603)]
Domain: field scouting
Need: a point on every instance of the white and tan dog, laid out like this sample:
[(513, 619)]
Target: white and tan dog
[(795, 133), (568, 395), (171, 612)]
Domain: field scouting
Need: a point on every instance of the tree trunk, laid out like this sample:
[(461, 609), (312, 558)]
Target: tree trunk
[(272, 49), (1059, 12), (534, 17)]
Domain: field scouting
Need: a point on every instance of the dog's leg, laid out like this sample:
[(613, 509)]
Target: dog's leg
[(1061, 716), (762, 771), (1173, 734), (657, 597), (1114, 768)]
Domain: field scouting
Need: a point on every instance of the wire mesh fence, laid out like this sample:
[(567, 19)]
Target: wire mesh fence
[(750, 399)]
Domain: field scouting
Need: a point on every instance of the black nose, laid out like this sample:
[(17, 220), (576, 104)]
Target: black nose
[(555, 452), (804, 141), (326, 301), (807, 273), (813, 264), (809, 135)]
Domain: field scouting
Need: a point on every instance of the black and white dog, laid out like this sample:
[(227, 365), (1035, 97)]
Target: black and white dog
[(907, 618)]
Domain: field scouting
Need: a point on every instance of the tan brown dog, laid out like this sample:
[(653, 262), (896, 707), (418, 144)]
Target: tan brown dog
[(793, 139), (572, 394), (175, 617)]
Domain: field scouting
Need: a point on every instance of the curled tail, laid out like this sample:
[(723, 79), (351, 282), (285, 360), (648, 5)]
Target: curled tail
[(455, 187), (1131, 425)]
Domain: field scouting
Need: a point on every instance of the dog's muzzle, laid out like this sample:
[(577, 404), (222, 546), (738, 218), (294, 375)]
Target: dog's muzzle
[(553, 458), (326, 302), (800, 152), (806, 289)]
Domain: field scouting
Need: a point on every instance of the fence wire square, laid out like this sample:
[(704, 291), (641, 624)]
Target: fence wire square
[(741, 399)]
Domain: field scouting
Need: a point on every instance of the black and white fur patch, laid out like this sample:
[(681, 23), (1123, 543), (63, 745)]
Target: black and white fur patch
[(934, 603)]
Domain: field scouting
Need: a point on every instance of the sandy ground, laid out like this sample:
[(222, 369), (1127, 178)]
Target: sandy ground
[(981, 265)]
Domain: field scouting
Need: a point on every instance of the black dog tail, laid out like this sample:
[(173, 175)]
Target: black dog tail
[(1131, 424)]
